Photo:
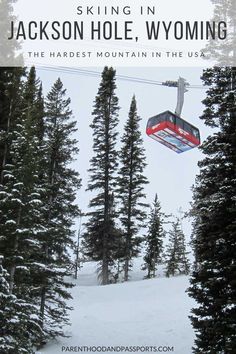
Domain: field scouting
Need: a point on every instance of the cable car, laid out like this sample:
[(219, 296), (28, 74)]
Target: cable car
[(172, 131)]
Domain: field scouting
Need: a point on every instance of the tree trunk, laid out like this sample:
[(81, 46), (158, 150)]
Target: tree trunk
[(126, 270), (44, 289), (105, 265), (4, 159), (15, 249), (105, 272), (42, 303), (128, 240)]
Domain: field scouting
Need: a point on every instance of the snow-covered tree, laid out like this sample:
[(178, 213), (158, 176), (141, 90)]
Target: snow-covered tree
[(10, 96), (214, 228), (154, 240), (176, 255), (37, 194), (8, 48), (131, 184), (101, 238), (60, 183), (20, 196), (20, 323), (223, 51)]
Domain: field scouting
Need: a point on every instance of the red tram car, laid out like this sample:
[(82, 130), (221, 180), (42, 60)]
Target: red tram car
[(172, 131)]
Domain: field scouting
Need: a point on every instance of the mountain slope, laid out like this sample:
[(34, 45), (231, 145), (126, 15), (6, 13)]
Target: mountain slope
[(138, 313)]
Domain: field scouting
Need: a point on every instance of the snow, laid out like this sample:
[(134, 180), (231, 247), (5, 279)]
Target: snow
[(35, 201), (14, 320), (22, 268), (11, 222), (139, 313)]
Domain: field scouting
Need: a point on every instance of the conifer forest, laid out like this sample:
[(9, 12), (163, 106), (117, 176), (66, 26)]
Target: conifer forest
[(47, 236), (38, 210)]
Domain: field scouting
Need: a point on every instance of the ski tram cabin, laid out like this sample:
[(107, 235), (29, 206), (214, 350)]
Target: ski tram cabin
[(172, 131)]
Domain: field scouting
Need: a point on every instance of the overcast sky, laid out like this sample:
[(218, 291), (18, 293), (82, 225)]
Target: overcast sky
[(171, 175)]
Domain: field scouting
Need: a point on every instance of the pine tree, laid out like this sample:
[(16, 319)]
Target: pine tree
[(176, 254), (18, 212), (20, 221), (101, 238), (19, 320), (34, 103), (37, 209), (19, 201), (19, 216), (131, 184), (213, 283), (223, 50), (10, 96), (8, 48), (60, 183), (154, 240)]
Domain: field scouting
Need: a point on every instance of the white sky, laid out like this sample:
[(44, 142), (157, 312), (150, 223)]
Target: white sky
[(171, 175)]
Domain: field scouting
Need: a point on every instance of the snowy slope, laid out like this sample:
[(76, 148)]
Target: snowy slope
[(138, 313)]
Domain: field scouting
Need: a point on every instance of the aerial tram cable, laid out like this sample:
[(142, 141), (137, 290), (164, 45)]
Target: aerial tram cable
[(167, 128), (94, 73)]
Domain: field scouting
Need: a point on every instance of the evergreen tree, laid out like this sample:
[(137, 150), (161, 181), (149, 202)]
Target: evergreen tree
[(101, 238), (37, 194), (20, 202), (176, 255), (19, 320), (34, 103), (60, 183), (216, 49), (20, 190), (10, 96), (131, 184), (8, 48), (154, 240), (214, 210)]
